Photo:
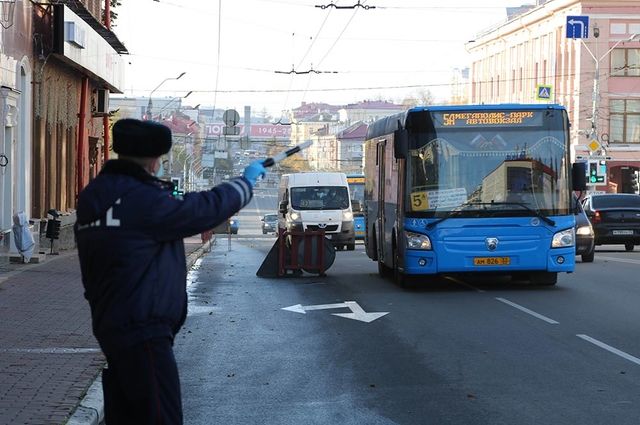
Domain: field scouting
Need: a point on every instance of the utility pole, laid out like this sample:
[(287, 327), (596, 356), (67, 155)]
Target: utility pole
[(596, 81)]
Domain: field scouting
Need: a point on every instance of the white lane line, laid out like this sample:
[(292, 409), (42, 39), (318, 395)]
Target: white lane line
[(526, 310), (619, 260), (610, 348), (50, 350)]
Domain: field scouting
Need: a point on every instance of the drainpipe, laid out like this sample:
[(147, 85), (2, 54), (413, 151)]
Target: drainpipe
[(105, 119), (81, 130), (105, 124), (107, 14)]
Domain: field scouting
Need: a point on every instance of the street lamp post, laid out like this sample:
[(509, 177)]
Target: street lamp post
[(150, 104), (173, 100), (596, 82)]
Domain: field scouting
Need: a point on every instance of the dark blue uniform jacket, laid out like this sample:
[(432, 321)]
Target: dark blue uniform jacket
[(130, 232)]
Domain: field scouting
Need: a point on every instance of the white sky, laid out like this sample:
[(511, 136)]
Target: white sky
[(398, 44)]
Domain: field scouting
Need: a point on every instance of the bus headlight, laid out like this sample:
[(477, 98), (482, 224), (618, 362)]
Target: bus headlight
[(417, 241), (563, 239), (584, 230), (347, 216)]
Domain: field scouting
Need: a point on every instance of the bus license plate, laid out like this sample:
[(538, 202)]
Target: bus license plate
[(491, 261), (622, 232)]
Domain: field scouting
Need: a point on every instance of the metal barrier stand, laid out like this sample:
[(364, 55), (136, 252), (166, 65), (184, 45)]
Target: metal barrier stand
[(309, 262)]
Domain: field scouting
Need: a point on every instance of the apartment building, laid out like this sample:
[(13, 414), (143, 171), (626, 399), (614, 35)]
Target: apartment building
[(596, 78)]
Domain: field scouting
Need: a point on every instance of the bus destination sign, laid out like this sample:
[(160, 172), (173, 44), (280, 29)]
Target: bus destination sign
[(489, 118)]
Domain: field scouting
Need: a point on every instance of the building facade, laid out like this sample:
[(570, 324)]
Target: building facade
[(596, 78), (16, 97), (59, 63), (368, 111)]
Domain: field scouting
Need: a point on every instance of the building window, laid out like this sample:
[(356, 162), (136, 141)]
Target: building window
[(625, 62), (520, 77), (624, 121)]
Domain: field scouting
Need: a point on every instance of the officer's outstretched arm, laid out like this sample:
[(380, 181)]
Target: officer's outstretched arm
[(196, 212)]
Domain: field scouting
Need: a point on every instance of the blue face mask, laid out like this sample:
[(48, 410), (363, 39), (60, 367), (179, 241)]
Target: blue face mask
[(163, 163)]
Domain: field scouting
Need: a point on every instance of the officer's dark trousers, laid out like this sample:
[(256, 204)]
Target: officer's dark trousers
[(141, 386)]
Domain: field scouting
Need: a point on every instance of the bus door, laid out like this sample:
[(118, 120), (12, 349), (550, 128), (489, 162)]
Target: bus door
[(380, 219)]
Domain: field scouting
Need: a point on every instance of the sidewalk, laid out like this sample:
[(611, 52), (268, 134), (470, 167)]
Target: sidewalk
[(48, 356)]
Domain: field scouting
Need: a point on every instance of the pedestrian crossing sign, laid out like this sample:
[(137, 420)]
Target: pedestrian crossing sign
[(543, 92)]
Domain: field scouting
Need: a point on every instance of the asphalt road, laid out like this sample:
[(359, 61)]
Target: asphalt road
[(450, 351)]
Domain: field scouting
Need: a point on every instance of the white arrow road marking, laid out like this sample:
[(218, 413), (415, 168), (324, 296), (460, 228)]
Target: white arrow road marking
[(298, 308), (357, 313)]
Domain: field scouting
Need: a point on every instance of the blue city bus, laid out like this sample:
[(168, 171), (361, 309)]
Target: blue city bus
[(356, 189), (471, 188)]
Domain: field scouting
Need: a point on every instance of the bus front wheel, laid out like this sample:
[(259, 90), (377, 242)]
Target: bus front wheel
[(399, 278), (383, 269)]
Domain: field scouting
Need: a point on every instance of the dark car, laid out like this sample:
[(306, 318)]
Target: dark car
[(585, 241), (229, 226), (615, 218), (269, 223)]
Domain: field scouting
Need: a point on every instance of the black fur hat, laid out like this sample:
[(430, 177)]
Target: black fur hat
[(146, 139)]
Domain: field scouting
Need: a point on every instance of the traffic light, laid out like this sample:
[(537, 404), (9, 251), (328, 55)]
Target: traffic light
[(593, 172), (597, 172), (176, 187), (53, 229)]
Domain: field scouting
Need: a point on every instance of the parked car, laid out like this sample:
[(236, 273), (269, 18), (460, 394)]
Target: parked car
[(585, 240), (615, 218), (230, 226), (269, 223)]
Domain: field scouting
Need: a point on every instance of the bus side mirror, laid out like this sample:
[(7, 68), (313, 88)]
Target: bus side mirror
[(282, 207), (400, 143), (579, 176), (356, 206)]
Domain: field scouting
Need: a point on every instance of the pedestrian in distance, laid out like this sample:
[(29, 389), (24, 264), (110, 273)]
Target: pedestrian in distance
[(129, 232)]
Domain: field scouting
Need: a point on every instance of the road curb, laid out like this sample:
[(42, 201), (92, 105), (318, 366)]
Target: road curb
[(90, 411), (195, 255)]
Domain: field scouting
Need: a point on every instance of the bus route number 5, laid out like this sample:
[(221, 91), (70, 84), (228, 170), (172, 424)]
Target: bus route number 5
[(419, 201)]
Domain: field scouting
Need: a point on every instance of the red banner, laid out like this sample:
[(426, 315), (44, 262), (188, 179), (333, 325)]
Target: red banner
[(258, 131)]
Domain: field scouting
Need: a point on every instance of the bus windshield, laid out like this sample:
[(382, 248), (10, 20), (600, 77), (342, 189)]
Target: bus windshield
[(320, 198), (357, 191), (487, 164), (356, 188)]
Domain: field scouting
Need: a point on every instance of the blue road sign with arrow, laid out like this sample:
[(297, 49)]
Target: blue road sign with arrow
[(577, 27)]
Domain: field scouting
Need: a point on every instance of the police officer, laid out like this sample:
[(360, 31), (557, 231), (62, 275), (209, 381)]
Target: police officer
[(130, 231)]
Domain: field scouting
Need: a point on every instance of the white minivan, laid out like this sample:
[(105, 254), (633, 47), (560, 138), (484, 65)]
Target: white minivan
[(317, 201)]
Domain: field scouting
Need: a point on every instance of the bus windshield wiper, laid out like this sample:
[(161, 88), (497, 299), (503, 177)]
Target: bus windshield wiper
[(537, 213), (455, 211)]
